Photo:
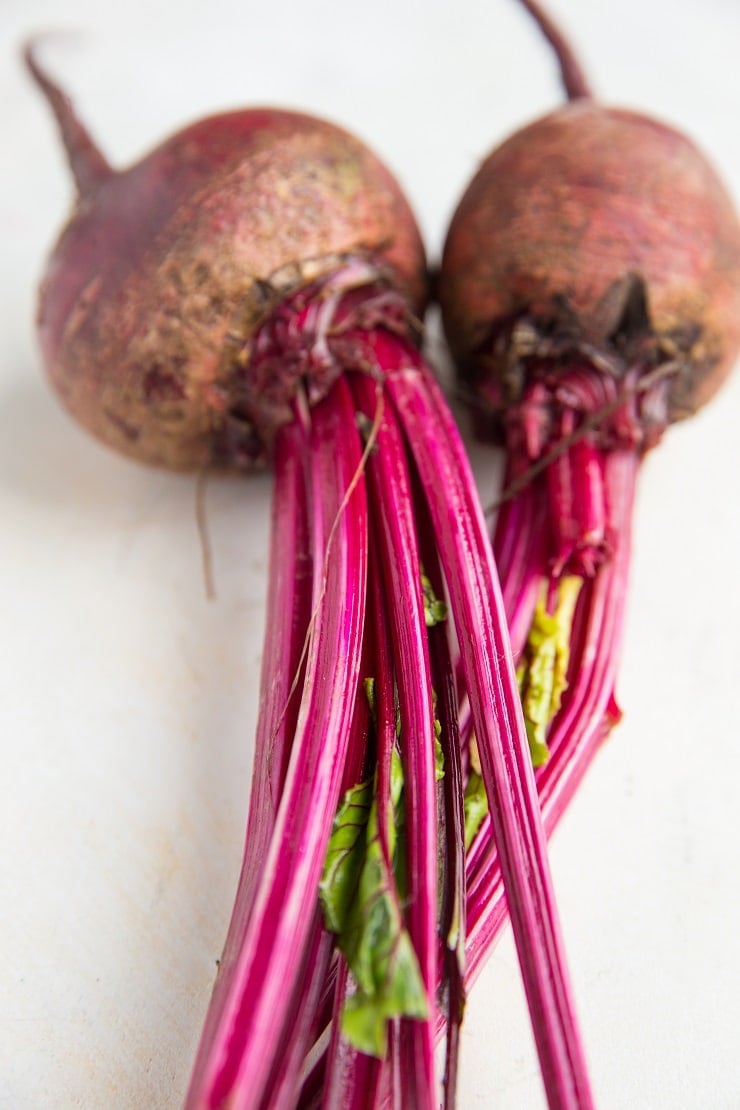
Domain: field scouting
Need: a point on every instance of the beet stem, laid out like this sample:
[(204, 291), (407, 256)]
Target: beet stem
[(257, 1011), (285, 1080), (451, 833), (287, 612), (572, 74), (481, 628), (577, 512), (454, 893), (88, 164), (352, 1078), (583, 723), (392, 506)]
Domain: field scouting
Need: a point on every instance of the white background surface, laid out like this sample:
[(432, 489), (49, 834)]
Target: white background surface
[(127, 701)]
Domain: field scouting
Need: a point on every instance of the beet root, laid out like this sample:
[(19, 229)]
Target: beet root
[(603, 231), (165, 271)]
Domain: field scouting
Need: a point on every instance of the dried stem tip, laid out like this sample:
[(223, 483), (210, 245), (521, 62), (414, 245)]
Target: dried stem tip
[(88, 164)]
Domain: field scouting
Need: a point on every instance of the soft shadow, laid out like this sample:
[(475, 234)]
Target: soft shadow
[(45, 457)]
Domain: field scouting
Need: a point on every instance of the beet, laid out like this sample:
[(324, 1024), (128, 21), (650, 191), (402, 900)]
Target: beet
[(602, 229), (590, 292), (248, 293), (164, 272)]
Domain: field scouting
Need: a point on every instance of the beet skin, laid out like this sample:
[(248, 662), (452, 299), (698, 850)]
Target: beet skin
[(165, 270), (566, 215)]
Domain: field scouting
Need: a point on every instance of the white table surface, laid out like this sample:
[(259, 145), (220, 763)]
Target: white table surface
[(128, 701)]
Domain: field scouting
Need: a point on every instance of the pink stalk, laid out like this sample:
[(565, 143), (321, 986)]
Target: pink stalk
[(400, 569), (288, 593), (352, 1077), (307, 1010), (453, 912), (301, 1030), (520, 548), (480, 621), (580, 728), (287, 618), (235, 1063), (249, 317), (450, 528)]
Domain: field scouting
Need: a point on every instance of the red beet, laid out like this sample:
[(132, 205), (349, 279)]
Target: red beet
[(600, 227), (247, 292), (165, 271), (590, 290)]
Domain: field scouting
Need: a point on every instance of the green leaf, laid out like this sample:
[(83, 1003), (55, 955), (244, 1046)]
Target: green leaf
[(439, 755), (543, 673), (542, 677), (367, 1012), (361, 904), (435, 611), (370, 695), (439, 758), (475, 806), (345, 855)]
